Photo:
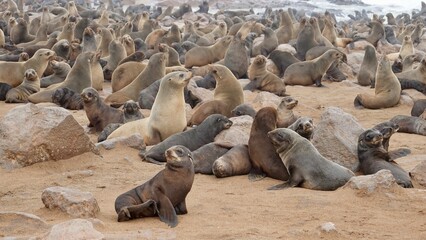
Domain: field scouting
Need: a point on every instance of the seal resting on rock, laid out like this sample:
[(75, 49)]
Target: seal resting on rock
[(164, 194), (306, 166)]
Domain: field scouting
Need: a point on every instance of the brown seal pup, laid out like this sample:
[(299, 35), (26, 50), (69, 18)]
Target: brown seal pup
[(306, 166), (236, 57), (304, 126), (367, 72), (234, 162), (227, 95), (200, 56), (282, 60), (418, 107), (205, 156), (164, 194), (98, 113), (410, 124), (60, 69), (13, 73), (387, 89), (68, 99), (373, 157), (285, 113), (30, 85), (262, 79), (310, 72), (192, 139), (77, 79), (264, 159), (169, 104), (156, 69)]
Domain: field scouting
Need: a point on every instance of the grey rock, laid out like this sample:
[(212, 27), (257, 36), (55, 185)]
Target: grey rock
[(75, 229), (336, 137), (133, 141), (30, 134), (238, 133), (368, 184), (418, 174), (21, 225), (266, 99), (72, 201), (328, 227)]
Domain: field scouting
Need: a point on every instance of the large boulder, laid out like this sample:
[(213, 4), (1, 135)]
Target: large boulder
[(21, 225), (336, 137), (75, 229), (72, 201), (238, 133), (32, 134)]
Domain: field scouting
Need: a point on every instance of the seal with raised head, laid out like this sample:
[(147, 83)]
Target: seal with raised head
[(98, 113), (192, 139), (264, 159), (164, 194), (30, 85), (236, 57), (262, 79), (282, 60), (169, 104), (306, 166), (60, 72), (387, 89), (304, 126), (367, 72), (285, 113), (311, 72), (200, 56), (373, 157), (68, 99)]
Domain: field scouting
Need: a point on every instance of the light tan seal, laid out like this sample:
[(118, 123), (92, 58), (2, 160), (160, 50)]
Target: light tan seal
[(311, 72), (30, 85), (13, 73), (167, 114), (418, 74), (200, 56)]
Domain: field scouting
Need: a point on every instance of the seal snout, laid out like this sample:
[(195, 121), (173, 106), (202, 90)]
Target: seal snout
[(228, 124)]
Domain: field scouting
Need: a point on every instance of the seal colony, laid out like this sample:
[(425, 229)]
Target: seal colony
[(141, 48)]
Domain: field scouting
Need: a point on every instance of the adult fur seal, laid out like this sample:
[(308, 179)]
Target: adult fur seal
[(98, 113), (227, 95), (373, 157), (30, 85), (309, 72), (234, 162), (169, 104), (13, 73), (60, 72), (200, 56), (236, 57), (192, 139), (67, 98), (387, 129), (262, 79), (367, 72), (410, 124), (164, 194), (286, 116), (306, 166), (387, 89), (205, 156), (264, 159), (282, 60)]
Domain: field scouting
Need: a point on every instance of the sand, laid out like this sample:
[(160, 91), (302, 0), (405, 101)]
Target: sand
[(235, 208)]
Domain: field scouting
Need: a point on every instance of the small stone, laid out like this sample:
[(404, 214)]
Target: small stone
[(328, 227)]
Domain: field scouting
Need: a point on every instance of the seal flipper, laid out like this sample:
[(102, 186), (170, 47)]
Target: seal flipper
[(294, 181), (146, 209), (181, 208), (166, 211), (256, 174), (398, 153)]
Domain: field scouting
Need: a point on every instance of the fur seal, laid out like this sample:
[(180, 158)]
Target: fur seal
[(236, 57), (243, 109), (410, 124), (98, 113), (407, 47), (30, 85), (367, 72), (106, 38), (387, 89), (205, 156), (282, 60), (305, 40), (60, 69), (192, 139), (269, 43), (262, 79), (117, 52), (286, 31), (234, 162), (313, 172), (227, 95), (309, 72), (264, 159), (68, 99), (89, 40), (77, 79), (156, 69), (200, 56), (285, 113), (125, 73), (418, 108), (169, 104), (4, 88), (12, 73), (333, 72), (304, 126), (164, 194), (373, 157), (19, 32), (387, 129), (418, 74)]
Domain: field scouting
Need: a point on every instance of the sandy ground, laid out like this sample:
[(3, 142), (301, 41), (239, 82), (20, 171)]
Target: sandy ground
[(235, 208)]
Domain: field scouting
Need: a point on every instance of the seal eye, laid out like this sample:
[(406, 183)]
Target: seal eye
[(181, 75)]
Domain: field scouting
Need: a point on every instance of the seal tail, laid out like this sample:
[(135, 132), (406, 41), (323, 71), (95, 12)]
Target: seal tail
[(413, 84)]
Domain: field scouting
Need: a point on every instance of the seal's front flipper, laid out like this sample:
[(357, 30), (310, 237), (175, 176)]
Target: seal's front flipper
[(166, 211), (181, 208), (146, 209), (256, 175)]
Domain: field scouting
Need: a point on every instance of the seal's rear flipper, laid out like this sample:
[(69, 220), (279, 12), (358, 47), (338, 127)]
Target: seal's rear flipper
[(398, 153), (256, 175)]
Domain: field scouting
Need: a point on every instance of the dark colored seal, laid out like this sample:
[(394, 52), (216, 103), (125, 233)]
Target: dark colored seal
[(67, 98)]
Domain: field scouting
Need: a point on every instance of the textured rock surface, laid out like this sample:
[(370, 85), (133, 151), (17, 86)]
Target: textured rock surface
[(21, 225), (266, 99), (368, 184), (30, 134), (76, 229), (336, 137), (418, 174), (238, 133), (71, 201)]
